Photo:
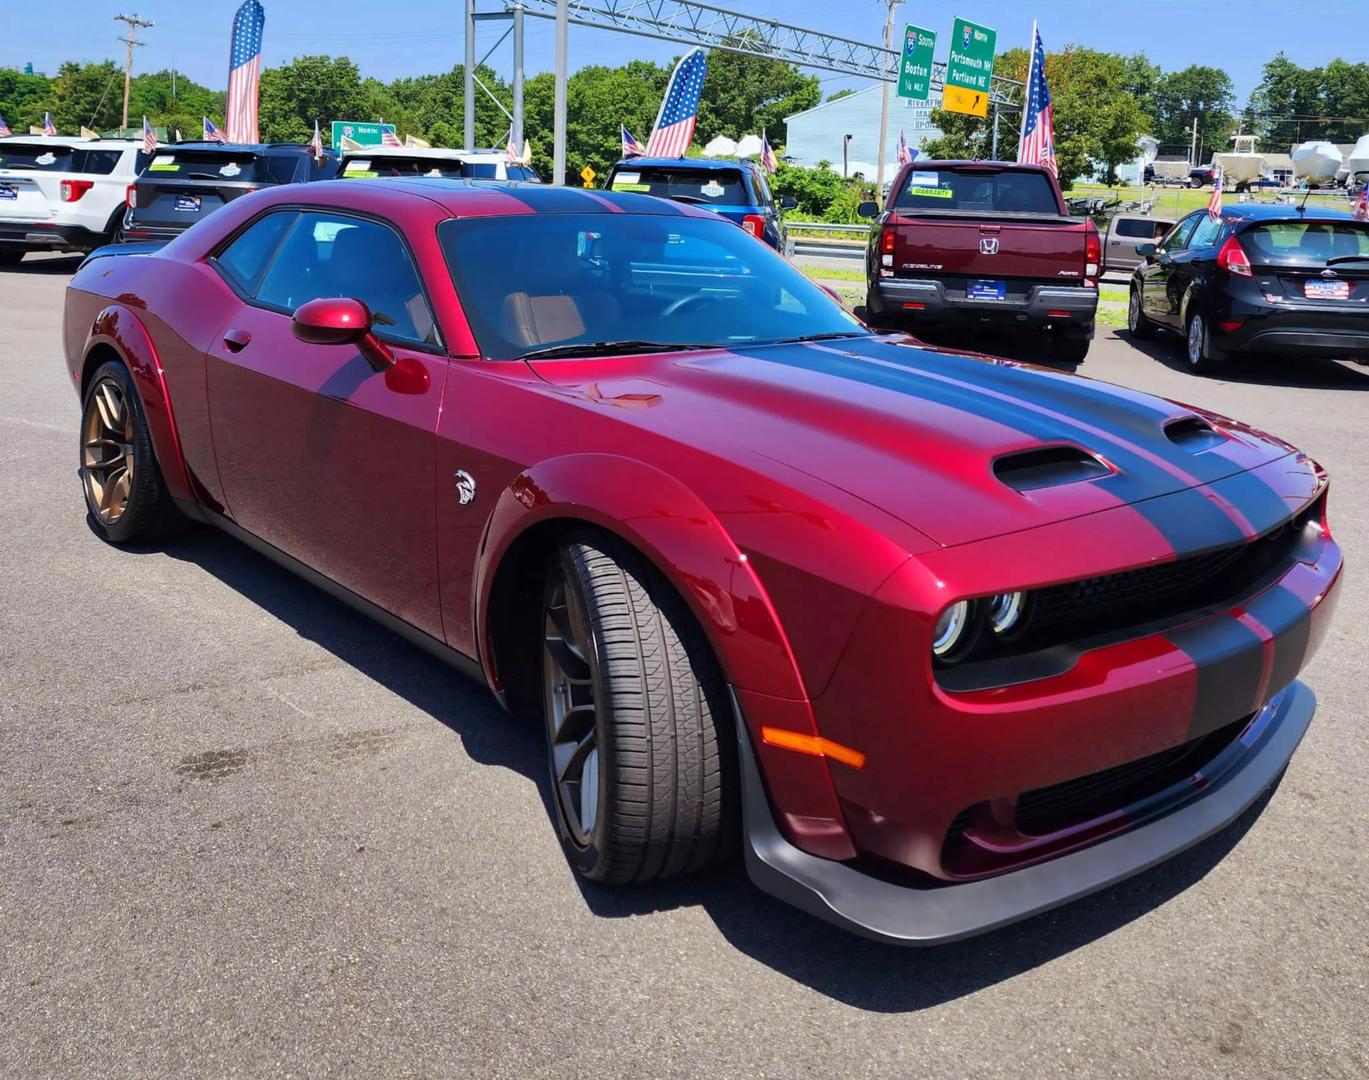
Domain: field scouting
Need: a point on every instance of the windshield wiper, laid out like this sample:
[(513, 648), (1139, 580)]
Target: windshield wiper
[(624, 347), (819, 337), (1347, 258)]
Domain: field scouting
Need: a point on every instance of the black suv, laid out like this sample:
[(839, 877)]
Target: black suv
[(1260, 278), (185, 182)]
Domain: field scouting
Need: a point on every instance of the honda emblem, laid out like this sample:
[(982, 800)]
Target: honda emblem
[(988, 245)]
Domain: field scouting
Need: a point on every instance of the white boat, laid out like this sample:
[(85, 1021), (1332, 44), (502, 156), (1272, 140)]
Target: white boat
[(1241, 162), (1316, 162), (1358, 160)]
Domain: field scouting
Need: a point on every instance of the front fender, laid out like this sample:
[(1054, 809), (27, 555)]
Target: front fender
[(120, 329)]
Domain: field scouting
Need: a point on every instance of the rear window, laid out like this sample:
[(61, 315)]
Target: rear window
[(35, 156), (388, 165), (239, 166), (977, 190), (1142, 228), (1305, 243), (703, 186)]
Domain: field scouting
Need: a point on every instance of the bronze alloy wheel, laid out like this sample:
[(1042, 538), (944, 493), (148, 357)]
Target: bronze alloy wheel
[(107, 456)]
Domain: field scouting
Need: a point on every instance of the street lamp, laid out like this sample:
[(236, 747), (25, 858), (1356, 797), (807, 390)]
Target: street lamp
[(845, 142)]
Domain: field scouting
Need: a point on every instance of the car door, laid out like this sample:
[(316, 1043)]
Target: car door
[(1189, 266), (320, 455), (1156, 274)]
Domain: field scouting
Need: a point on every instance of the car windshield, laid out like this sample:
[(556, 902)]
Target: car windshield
[(977, 189), (1305, 243), (703, 186), (364, 165), (240, 166), (583, 282), (40, 157)]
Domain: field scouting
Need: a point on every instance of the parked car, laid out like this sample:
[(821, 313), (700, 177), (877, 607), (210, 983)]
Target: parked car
[(1202, 176), (186, 182), (60, 194), (943, 640), (737, 190), (1125, 231), (983, 243), (431, 161), (1282, 280)]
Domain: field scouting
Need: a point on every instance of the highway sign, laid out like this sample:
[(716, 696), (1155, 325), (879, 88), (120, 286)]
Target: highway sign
[(969, 68), (915, 65), (587, 174), (360, 133)]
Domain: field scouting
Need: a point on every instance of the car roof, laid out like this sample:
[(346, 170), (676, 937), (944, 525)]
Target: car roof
[(238, 148), (705, 164), (440, 153), (1283, 212)]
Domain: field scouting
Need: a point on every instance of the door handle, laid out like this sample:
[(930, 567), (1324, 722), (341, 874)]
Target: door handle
[(237, 340)]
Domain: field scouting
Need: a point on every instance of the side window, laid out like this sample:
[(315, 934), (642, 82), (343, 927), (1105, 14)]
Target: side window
[(280, 168), (1177, 240), (334, 255), (762, 188), (1205, 235), (244, 259)]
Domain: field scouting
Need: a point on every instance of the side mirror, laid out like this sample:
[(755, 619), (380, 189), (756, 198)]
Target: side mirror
[(339, 320), (867, 209), (1146, 251), (788, 202)]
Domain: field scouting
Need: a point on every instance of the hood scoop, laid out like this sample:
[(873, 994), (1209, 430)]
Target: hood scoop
[(1048, 466), (1193, 433)]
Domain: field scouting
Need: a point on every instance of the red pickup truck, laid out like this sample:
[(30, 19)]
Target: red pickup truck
[(983, 242)]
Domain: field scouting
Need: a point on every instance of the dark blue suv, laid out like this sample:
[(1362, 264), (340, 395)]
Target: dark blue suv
[(735, 189)]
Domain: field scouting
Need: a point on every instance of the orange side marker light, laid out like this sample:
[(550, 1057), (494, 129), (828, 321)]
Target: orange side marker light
[(812, 744)]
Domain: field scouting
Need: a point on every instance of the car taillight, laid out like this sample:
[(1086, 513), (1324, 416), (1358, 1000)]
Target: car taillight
[(1233, 259), (886, 247), (72, 190), (754, 224), (1093, 252), (131, 197)]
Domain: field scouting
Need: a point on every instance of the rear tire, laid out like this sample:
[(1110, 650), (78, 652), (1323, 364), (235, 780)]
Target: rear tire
[(10, 257), (1138, 326), (1069, 346), (641, 746), (1202, 355)]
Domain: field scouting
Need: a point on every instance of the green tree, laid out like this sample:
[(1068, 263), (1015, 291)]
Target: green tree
[(321, 88), (22, 97), (1345, 98), (178, 104), (433, 106), (744, 94), (89, 94), (1197, 91)]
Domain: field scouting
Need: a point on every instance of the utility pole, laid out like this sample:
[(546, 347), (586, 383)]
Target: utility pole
[(133, 23), (1193, 147), (884, 103), (562, 65)]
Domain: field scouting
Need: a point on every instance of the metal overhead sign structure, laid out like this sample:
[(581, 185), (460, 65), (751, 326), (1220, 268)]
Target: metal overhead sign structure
[(915, 65), (968, 82)]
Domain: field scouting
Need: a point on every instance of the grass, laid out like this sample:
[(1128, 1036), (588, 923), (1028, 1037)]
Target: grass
[(824, 273)]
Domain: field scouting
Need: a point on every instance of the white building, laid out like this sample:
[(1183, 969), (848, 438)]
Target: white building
[(817, 134)]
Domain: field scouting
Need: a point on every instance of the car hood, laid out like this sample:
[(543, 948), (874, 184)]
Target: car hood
[(961, 447)]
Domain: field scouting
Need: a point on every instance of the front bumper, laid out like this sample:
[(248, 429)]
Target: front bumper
[(842, 894), (1040, 305)]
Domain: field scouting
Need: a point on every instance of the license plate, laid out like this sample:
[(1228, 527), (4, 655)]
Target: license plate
[(189, 204), (1327, 290), (986, 290), (7, 192)]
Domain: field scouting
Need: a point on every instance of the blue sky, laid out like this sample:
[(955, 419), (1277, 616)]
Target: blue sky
[(405, 37)]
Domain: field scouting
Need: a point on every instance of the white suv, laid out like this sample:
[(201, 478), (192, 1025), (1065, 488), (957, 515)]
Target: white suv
[(432, 161), (62, 194)]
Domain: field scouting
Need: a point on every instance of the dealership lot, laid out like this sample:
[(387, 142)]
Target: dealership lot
[(244, 831)]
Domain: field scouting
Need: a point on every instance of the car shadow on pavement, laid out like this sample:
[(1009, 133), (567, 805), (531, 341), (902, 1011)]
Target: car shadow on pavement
[(1305, 373)]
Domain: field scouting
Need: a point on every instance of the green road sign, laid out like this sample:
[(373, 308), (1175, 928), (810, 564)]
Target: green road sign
[(969, 68), (361, 134), (915, 66)]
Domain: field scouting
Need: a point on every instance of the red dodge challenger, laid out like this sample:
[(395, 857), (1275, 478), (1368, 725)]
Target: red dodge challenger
[(940, 641)]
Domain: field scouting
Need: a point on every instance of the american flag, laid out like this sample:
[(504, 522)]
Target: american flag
[(680, 109), (316, 144), (149, 137), (1038, 118), (211, 131), (5, 131), (905, 153), (244, 73), (49, 128), (631, 147), (1361, 208), (388, 136), (769, 162), (1214, 204), (510, 150)]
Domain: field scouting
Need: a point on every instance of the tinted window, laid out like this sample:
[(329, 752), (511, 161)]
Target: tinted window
[(480, 170), (762, 188), (977, 190), (236, 166), (364, 165), (278, 168), (1305, 243), (332, 255), (35, 156), (705, 186), (95, 162), (1141, 228), (246, 256), (1205, 234), (534, 281), (1177, 240)]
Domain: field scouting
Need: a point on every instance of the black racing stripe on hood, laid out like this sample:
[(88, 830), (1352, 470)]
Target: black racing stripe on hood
[(1187, 519)]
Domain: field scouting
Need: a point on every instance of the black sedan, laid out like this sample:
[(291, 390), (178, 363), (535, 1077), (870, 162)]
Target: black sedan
[(1257, 279)]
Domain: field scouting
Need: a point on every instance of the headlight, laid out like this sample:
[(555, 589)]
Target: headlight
[(1005, 611), (951, 629)]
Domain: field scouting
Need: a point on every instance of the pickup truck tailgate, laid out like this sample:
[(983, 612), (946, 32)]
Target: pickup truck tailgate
[(1043, 249)]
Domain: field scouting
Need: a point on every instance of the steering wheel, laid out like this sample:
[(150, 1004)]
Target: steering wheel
[(685, 301)]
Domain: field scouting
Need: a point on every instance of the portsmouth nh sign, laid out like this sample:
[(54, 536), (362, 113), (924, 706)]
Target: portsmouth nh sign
[(969, 69)]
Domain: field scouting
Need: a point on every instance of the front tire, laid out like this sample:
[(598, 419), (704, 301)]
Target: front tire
[(1202, 356), (641, 746)]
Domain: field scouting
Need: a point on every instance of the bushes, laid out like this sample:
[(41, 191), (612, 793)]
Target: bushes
[(822, 193)]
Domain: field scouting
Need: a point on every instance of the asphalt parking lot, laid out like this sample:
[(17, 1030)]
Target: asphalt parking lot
[(246, 832)]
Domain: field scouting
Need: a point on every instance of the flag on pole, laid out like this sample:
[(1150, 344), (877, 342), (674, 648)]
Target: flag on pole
[(316, 144), (388, 136), (1361, 210), (1037, 146), (149, 137), (905, 152), (511, 154), (49, 128), (244, 73), (5, 131), (211, 131), (769, 162), (674, 128), (1214, 204), (631, 147)]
